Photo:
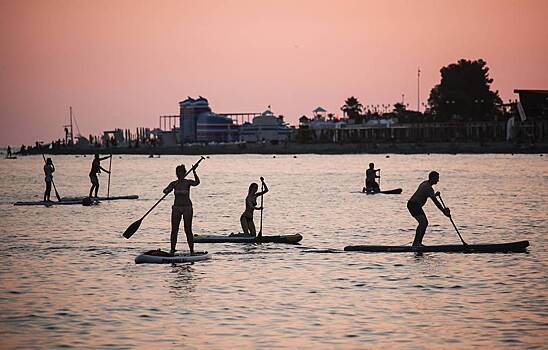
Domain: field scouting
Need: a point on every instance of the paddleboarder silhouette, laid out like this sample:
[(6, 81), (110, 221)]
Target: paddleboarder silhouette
[(418, 200), (49, 169), (246, 220), (182, 206), (371, 186), (96, 169)]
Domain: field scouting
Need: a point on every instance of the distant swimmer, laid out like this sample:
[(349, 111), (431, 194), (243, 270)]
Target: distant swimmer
[(182, 206), (371, 186), (49, 169), (248, 226), (418, 200), (96, 169)]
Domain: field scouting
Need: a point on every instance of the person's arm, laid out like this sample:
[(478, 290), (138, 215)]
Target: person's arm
[(170, 187), (265, 188), (379, 173), (52, 168), (104, 158), (257, 208), (445, 211), (105, 170), (196, 180)]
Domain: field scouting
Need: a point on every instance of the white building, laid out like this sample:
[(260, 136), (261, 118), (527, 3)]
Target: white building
[(266, 127)]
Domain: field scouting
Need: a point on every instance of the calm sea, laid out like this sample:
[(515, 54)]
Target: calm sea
[(68, 278)]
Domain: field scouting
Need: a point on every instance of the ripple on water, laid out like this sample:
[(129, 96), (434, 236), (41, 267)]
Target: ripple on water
[(82, 289)]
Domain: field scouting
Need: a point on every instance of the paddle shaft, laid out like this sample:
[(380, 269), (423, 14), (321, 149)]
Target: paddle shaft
[(165, 195), (53, 183), (455, 226), (261, 224), (379, 179), (109, 171)]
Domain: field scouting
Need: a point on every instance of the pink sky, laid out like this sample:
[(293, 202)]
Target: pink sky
[(121, 64)]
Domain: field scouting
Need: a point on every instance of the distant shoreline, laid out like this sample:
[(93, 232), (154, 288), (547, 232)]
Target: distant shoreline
[(327, 148)]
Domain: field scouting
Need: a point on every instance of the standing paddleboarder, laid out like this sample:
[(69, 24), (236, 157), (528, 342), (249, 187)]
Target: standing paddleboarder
[(418, 200), (49, 169), (371, 186), (248, 226), (96, 169), (182, 206)]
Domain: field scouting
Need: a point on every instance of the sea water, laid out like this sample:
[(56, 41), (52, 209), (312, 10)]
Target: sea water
[(68, 277)]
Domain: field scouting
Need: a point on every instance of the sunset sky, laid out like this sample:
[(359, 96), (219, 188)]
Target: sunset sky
[(121, 64)]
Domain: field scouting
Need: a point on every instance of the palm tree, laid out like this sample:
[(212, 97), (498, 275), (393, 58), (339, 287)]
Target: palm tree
[(353, 108)]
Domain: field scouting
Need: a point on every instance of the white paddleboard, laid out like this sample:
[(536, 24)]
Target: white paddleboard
[(160, 257)]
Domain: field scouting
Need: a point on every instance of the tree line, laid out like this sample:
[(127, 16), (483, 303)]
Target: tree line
[(463, 94)]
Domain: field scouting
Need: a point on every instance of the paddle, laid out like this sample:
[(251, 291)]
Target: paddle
[(261, 225), (109, 167), (450, 218), (135, 226), (53, 183), (379, 179)]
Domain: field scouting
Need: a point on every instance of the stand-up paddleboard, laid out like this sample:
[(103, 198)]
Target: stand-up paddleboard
[(111, 198), (62, 202), (516, 247), (160, 257), (394, 191), (288, 239)]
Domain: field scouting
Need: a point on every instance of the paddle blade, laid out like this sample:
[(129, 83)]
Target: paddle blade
[(57, 195), (132, 228)]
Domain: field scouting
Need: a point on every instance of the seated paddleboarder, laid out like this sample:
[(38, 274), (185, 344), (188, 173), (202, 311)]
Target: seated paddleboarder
[(371, 186), (418, 200), (49, 169), (182, 206), (248, 226), (96, 169)]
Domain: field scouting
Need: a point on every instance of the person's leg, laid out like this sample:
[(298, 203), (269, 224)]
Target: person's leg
[(421, 229), (187, 217), (96, 188), (376, 187), (245, 228), (175, 222), (92, 186), (47, 192), (252, 229)]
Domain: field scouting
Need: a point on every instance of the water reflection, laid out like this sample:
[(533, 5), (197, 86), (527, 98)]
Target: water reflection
[(181, 280), (81, 275)]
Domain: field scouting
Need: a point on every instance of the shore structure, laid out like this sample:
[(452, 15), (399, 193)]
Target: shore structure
[(522, 128)]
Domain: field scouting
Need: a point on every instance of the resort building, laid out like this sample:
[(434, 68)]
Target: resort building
[(266, 127), (198, 123)]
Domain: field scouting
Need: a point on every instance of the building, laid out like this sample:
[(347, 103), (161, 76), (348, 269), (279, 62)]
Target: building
[(266, 127), (534, 103), (198, 123)]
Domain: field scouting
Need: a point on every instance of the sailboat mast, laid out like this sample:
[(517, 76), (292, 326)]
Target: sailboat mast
[(71, 131)]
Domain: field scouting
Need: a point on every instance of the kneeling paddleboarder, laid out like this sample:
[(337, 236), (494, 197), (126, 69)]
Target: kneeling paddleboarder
[(248, 226), (182, 206), (418, 200), (371, 186)]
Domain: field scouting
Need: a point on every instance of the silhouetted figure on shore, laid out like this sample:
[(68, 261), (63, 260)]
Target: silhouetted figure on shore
[(49, 169), (418, 200), (182, 206), (8, 154), (371, 186), (96, 169), (248, 226)]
